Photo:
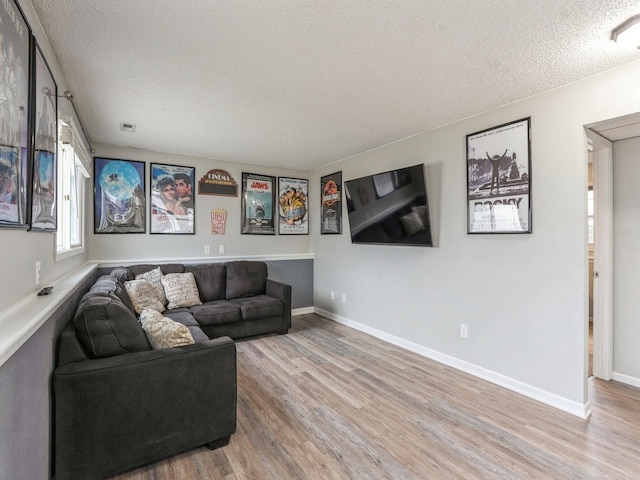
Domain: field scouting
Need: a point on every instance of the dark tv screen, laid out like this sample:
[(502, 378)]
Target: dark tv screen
[(390, 208)]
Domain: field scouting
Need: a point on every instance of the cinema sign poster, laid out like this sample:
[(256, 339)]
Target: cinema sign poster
[(258, 200), (499, 179)]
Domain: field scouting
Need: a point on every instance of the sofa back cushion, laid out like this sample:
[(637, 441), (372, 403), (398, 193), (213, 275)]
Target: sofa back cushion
[(108, 284), (165, 268), (106, 327), (210, 279), (245, 279)]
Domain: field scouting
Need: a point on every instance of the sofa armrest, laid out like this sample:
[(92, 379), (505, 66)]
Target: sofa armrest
[(116, 413), (282, 292)]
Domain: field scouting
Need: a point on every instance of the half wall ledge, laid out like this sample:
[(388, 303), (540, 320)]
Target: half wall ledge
[(21, 320)]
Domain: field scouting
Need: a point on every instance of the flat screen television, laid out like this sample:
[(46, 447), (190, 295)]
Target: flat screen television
[(390, 208)]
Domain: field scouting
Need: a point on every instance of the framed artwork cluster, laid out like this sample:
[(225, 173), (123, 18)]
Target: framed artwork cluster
[(29, 133), (261, 213), (120, 198)]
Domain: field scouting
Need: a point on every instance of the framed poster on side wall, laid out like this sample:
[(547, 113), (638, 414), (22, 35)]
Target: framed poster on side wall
[(172, 199), (15, 149), (293, 206), (44, 213), (499, 179), (331, 212), (258, 200), (118, 196)]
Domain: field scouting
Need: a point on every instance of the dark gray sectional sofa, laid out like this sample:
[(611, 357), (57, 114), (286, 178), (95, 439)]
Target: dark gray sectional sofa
[(119, 404)]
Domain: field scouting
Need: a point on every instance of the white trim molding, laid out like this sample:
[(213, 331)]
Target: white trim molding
[(628, 379), (561, 403), (199, 260)]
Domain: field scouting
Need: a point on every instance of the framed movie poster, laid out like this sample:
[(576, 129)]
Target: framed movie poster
[(499, 179), (258, 201), (331, 212), (293, 206), (44, 215), (15, 153), (172, 199), (118, 196)]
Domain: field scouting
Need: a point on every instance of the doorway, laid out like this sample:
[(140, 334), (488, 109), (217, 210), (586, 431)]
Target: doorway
[(600, 257)]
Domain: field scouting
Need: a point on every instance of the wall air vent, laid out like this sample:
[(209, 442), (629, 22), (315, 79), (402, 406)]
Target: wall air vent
[(128, 127)]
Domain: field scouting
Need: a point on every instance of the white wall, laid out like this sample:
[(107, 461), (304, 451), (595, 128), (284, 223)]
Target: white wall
[(524, 297), (110, 247), (626, 258)]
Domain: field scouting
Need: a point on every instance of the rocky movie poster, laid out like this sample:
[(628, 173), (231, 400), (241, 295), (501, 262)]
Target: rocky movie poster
[(331, 213), (498, 179), (258, 199)]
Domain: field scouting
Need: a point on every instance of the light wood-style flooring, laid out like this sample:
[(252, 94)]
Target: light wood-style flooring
[(330, 402)]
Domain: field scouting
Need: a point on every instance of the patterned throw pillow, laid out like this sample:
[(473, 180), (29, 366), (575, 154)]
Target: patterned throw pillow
[(154, 277), (181, 290), (143, 295), (163, 332)]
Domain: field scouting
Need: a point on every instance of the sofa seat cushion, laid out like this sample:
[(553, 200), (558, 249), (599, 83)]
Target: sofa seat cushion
[(106, 327), (246, 279), (215, 313), (258, 307), (211, 280)]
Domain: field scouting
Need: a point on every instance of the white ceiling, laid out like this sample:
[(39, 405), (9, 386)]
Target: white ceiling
[(303, 84)]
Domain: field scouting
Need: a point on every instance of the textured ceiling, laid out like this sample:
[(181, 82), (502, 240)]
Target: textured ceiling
[(303, 84)]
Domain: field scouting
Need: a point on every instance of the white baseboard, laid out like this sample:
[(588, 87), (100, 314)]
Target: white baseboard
[(629, 380), (302, 311), (548, 398)]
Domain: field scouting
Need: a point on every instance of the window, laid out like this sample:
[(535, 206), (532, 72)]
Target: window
[(73, 170)]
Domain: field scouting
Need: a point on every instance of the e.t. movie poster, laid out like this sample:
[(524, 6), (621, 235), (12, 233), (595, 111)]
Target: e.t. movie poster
[(119, 203), (258, 199), (331, 213)]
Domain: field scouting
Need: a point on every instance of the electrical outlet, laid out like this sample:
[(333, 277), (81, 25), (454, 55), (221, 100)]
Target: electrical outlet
[(333, 295), (464, 330), (344, 298), (221, 249), (38, 268), (207, 249)]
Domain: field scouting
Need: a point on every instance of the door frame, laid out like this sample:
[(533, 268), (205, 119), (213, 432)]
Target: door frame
[(602, 150)]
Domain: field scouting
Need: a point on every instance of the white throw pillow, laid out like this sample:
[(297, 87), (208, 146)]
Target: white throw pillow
[(163, 332), (143, 295), (154, 277), (181, 290), (412, 223)]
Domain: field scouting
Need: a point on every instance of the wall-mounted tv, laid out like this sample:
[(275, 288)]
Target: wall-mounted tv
[(390, 208)]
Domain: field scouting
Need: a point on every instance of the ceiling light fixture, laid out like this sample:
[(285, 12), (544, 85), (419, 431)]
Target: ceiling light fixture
[(628, 32)]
